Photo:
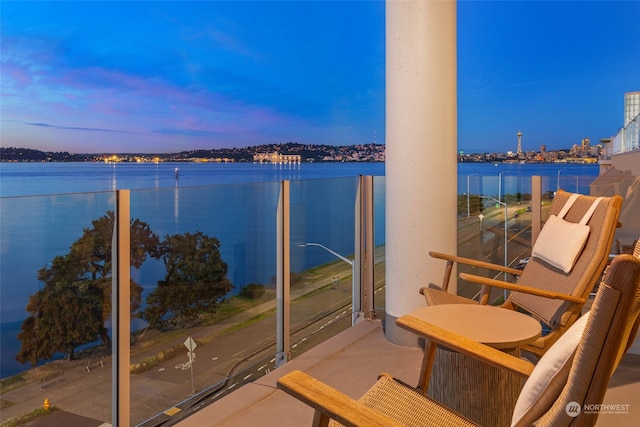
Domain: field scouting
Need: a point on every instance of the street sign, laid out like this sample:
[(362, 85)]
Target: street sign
[(190, 344)]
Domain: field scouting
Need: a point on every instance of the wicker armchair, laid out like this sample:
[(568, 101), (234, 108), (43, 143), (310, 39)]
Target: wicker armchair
[(573, 373), (549, 294)]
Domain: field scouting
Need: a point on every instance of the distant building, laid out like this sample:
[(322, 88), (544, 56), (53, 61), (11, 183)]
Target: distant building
[(276, 158), (620, 171), (625, 146), (631, 107), (520, 156)]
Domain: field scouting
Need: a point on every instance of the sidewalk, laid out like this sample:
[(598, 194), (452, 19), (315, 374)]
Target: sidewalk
[(65, 419)]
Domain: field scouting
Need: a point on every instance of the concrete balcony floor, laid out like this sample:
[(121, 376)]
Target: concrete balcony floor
[(351, 362)]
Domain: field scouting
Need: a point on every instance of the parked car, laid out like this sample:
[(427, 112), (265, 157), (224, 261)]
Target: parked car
[(522, 263)]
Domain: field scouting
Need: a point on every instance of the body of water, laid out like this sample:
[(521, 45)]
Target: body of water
[(45, 206), (28, 179)]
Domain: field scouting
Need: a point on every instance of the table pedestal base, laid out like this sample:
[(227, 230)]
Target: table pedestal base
[(482, 393)]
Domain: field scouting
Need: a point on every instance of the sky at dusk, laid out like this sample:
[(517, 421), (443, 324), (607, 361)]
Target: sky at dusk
[(168, 76)]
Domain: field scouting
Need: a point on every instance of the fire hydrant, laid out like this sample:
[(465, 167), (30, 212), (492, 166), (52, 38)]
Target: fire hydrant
[(46, 405)]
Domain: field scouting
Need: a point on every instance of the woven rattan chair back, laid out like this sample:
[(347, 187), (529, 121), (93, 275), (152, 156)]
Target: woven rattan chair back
[(557, 314)]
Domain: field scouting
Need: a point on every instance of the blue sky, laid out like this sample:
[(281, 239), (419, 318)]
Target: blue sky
[(143, 76)]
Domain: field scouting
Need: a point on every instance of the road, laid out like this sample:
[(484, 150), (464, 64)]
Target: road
[(484, 240)]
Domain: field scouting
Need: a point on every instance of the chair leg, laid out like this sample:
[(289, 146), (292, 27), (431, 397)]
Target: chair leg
[(427, 364), (320, 419), (484, 295)]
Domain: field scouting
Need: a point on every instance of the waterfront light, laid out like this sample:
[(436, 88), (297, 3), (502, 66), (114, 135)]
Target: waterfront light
[(505, 236), (353, 276), (558, 180), (468, 210), (500, 184)]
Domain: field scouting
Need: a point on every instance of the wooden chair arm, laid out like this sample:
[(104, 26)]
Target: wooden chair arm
[(465, 345), (330, 403), (515, 287), (475, 262)]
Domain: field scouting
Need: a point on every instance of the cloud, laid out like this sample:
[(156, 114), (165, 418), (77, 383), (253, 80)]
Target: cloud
[(188, 132), (84, 129)]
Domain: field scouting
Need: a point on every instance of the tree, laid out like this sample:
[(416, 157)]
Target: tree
[(195, 280), (474, 206), (75, 303), (64, 314), (93, 252), (253, 291)]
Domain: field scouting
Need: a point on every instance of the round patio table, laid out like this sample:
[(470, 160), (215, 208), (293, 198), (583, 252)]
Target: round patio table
[(483, 393)]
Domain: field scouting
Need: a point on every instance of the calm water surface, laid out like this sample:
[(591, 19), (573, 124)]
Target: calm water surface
[(26, 179), (22, 179)]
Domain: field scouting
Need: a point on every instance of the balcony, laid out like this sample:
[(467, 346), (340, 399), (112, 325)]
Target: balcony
[(240, 389), (346, 363)]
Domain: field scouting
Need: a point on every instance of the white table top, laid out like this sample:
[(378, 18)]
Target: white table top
[(496, 327)]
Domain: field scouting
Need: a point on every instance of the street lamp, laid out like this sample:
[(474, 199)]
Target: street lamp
[(574, 176), (468, 209), (558, 180), (576, 182), (353, 275), (500, 184), (505, 236)]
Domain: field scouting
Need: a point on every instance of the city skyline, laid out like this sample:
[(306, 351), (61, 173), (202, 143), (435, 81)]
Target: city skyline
[(172, 76)]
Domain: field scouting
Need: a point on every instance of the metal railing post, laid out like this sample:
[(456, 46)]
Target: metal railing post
[(536, 208), (358, 257), (365, 252), (121, 311), (283, 276)]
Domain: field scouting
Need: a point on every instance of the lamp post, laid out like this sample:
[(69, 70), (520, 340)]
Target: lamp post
[(574, 176), (558, 180), (500, 184), (468, 209), (353, 276), (576, 182), (505, 236)]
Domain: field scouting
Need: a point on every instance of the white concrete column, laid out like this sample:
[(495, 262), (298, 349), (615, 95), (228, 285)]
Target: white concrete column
[(421, 147)]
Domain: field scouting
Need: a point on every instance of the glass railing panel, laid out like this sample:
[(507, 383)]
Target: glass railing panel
[(489, 200), (55, 305), (379, 277), (213, 283), (494, 225), (322, 251)]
